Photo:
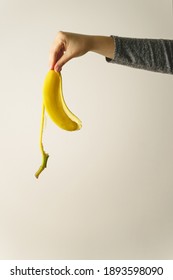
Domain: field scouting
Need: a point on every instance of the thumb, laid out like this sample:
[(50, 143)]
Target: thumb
[(63, 59)]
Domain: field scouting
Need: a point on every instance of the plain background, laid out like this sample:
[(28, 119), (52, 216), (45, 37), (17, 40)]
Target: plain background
[(107, 192)]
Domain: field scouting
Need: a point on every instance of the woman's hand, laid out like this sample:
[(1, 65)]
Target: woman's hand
[(69, 45)]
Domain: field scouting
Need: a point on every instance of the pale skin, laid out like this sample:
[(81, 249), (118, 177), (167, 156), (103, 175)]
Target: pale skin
[(70, 45)]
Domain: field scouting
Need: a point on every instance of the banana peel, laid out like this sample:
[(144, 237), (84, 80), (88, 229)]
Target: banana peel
[(54, 104)]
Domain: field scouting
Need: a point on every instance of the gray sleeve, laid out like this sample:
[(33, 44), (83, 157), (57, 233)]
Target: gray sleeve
[(148, 54)]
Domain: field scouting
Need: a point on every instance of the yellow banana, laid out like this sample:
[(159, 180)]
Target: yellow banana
[(54, 103)]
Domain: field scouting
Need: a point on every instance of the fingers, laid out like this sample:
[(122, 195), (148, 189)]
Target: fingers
[(65, 47), (58, 56), (55, 54), (57, 59), (61, 61)]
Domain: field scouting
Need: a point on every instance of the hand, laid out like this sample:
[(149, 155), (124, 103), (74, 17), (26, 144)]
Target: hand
[(67, 46)]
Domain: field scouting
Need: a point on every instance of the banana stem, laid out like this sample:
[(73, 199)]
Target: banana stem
[(45, 156)]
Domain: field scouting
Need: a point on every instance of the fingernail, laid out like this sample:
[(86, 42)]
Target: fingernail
[(56, 68)]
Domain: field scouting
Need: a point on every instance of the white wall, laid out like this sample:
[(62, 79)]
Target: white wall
[(108, 190)]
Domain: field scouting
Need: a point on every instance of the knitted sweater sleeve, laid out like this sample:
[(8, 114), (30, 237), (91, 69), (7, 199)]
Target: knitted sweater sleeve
[(148, 54)]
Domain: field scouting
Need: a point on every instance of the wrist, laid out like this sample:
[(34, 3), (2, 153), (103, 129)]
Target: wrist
[(102, 45)]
